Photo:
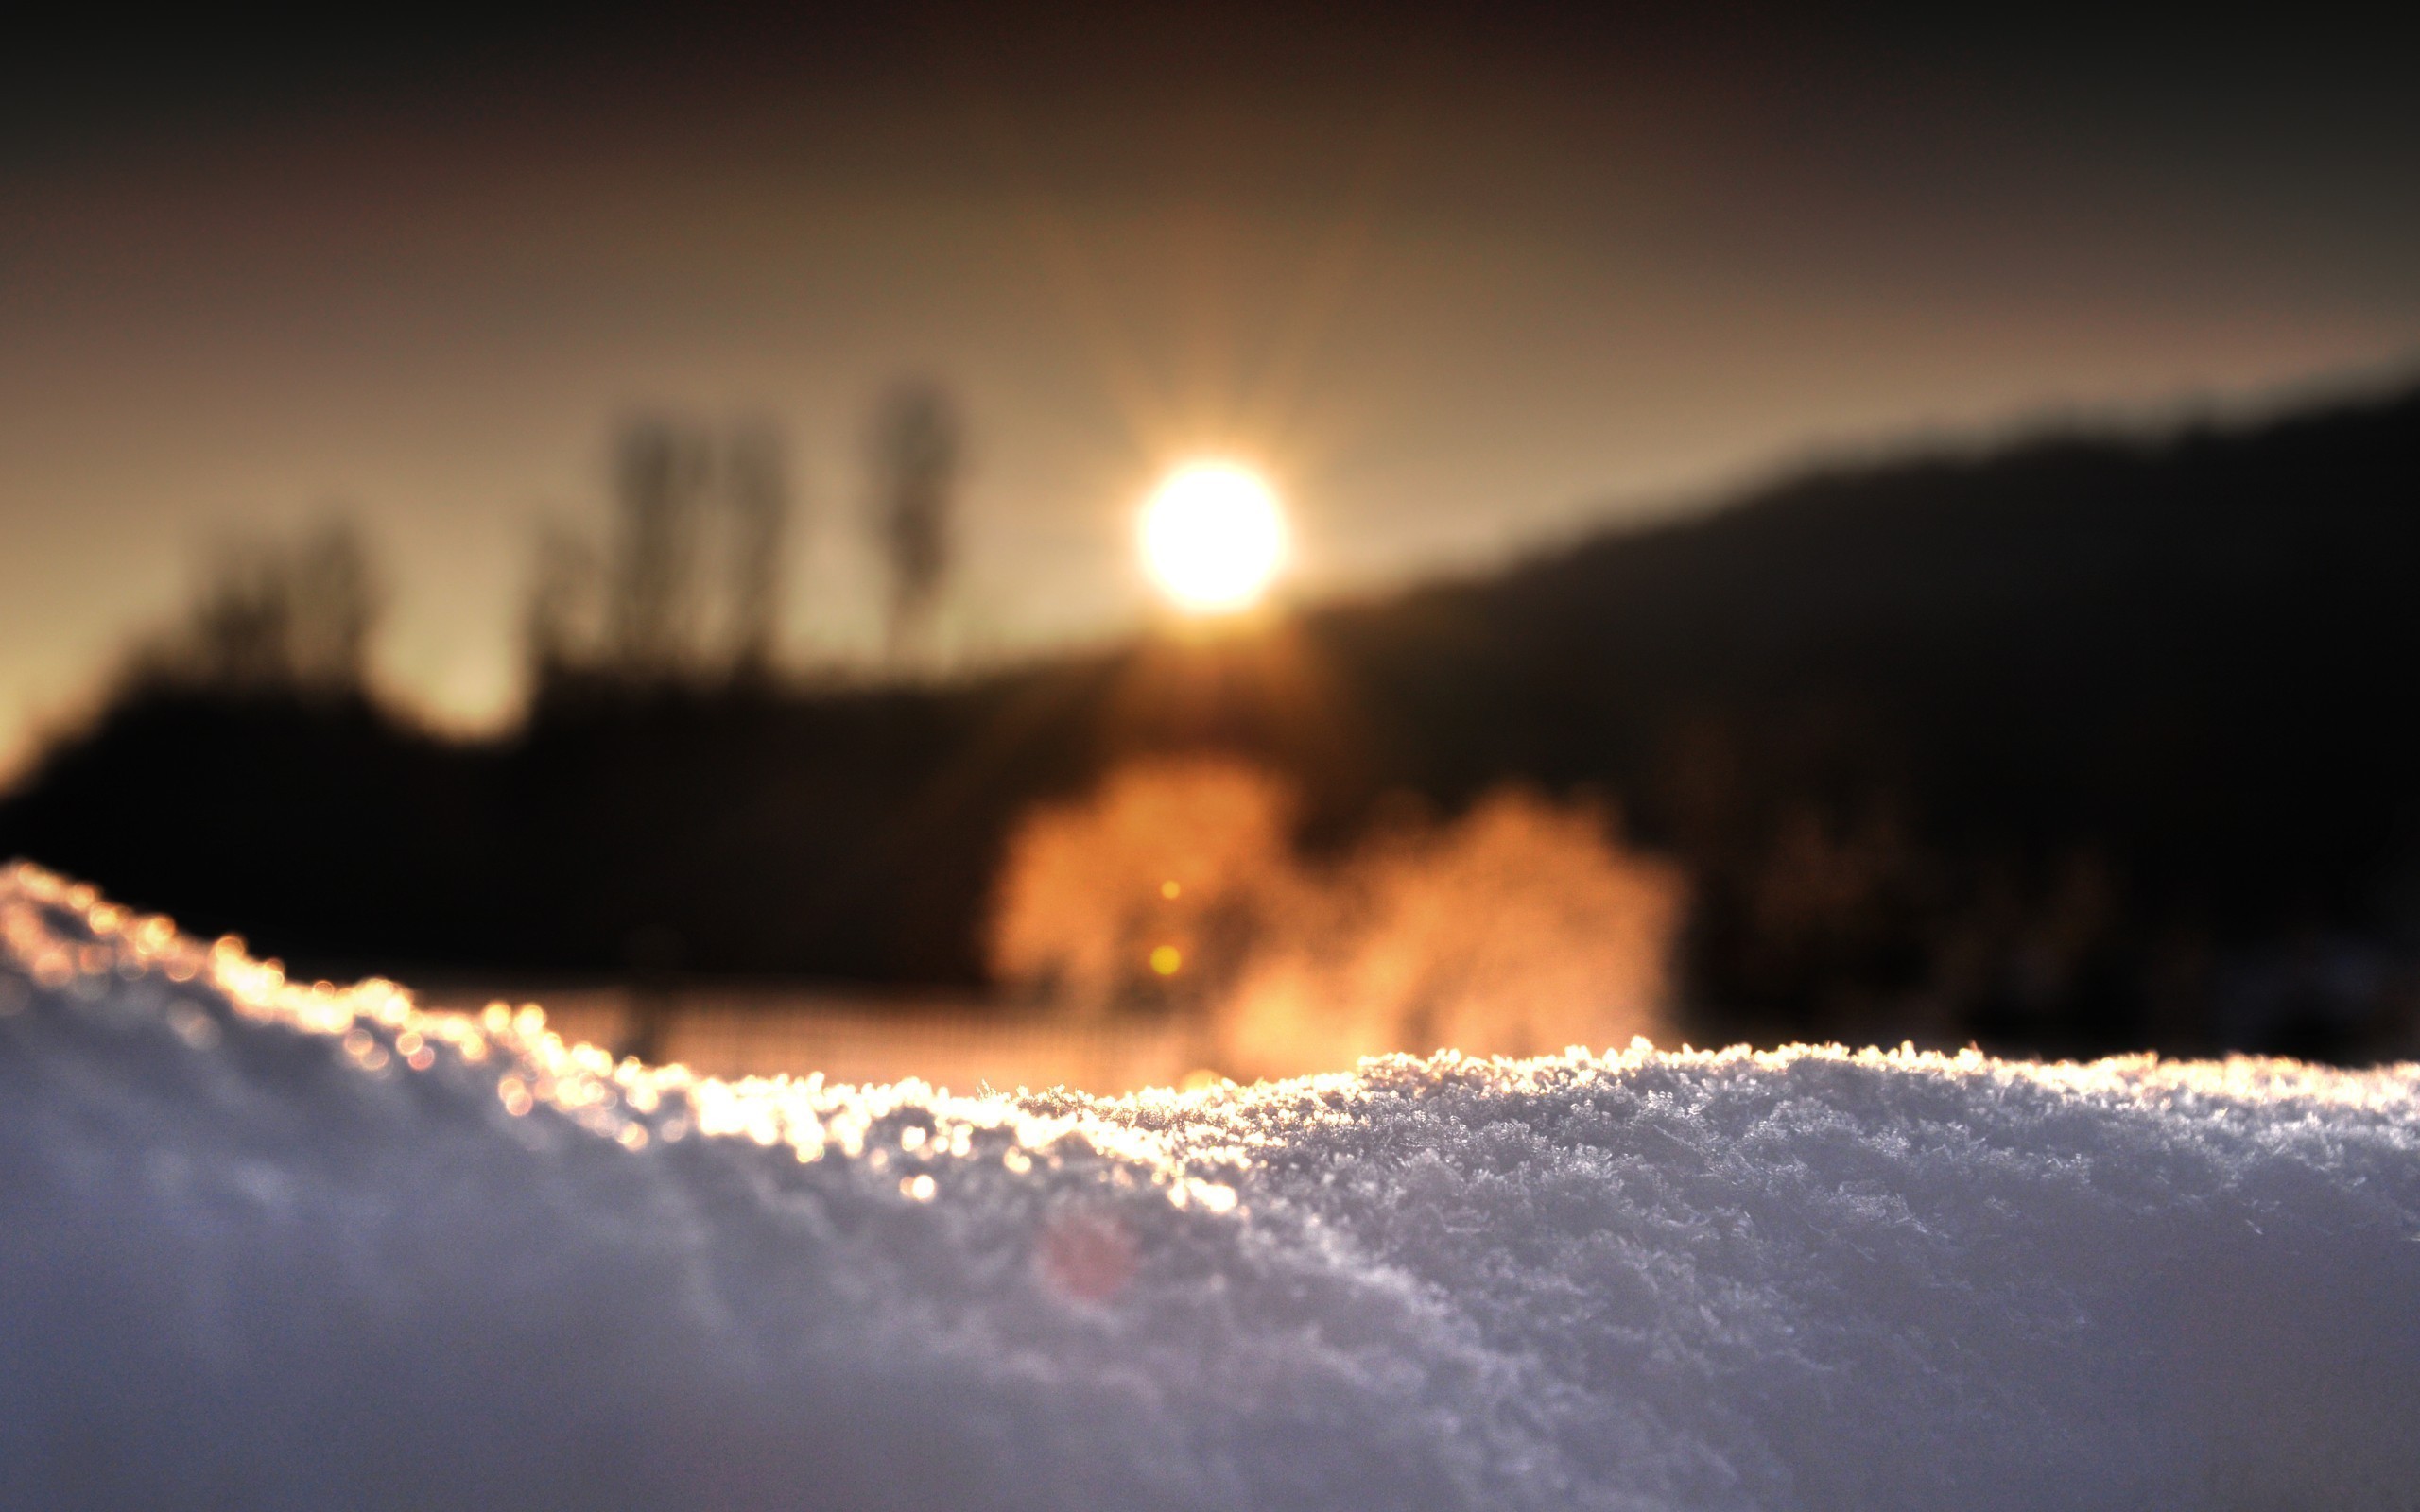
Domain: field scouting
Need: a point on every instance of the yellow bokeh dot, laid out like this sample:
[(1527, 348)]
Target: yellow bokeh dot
[(1170, 890), (1166, 960)]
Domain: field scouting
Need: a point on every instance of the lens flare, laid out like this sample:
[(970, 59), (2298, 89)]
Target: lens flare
[(1213, 537)]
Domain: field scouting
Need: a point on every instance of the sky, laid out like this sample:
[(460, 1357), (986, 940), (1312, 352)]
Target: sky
[(1462, 279)]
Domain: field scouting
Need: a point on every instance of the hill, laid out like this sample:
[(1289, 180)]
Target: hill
[(2084, 743)]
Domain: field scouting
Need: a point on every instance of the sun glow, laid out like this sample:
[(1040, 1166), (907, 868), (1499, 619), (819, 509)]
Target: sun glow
[(1213, 537)]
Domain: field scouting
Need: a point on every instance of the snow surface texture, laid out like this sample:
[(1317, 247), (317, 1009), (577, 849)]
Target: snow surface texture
[(271, 1245)]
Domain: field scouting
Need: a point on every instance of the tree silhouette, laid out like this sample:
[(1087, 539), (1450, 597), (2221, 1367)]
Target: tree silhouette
[(918, 448), (651, 622), (756, 492), (685, 503), (558, 626), (286, 617)]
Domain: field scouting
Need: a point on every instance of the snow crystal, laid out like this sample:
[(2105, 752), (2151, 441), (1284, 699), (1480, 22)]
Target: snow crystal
[(274, 1244)]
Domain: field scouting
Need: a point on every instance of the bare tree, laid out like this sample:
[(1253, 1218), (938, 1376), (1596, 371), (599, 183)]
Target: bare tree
[(918, 448), (559, 628), (685, 502), (336, 602), (660, 475), (756, 490), (296, 616), (237, 632)]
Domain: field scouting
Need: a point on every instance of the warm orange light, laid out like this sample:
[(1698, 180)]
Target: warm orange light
[(1170, 890), (1213, 537), (1167, 959)]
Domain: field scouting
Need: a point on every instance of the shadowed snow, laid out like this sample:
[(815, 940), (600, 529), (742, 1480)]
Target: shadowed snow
[(271, 1245)]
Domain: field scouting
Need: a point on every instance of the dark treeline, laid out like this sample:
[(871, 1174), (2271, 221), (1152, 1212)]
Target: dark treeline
[(2086, 745)]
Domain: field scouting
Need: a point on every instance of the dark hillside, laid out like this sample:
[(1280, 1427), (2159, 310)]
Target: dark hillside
[(2083, 744), (2019, 733)]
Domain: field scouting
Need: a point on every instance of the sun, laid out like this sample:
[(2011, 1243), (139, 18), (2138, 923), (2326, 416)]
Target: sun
[(1213, 537)]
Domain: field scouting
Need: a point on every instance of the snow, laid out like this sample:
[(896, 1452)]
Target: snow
[(274, 1244)]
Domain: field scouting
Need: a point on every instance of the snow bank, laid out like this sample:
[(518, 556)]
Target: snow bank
[(273, 1246)]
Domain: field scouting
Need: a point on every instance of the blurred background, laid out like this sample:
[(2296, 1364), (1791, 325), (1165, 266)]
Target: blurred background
[(1108, 544)]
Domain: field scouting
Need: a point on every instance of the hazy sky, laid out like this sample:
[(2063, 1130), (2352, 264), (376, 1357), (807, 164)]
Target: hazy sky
[(1460, 278)]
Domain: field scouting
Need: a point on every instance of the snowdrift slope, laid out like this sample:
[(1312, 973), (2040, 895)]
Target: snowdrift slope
[(271, 1245)]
